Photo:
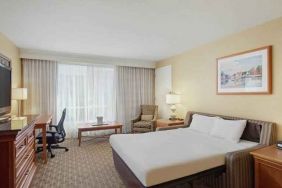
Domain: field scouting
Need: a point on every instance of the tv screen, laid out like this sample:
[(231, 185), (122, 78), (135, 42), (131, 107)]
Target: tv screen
[(5, 88)]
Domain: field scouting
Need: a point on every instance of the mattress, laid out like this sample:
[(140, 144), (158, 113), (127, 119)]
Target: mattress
[(158, 157)]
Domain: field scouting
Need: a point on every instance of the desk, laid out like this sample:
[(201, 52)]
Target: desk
[(41, 123)]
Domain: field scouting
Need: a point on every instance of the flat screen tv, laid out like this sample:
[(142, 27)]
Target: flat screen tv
[(5, 85)]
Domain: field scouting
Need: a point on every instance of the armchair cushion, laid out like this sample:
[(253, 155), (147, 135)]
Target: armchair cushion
[(143, 124), (141, 130), (146, 117)]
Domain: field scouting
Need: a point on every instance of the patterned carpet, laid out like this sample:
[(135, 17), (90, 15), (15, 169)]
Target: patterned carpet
[(90, 165)]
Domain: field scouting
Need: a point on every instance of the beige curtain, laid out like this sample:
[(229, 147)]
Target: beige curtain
[(40, 79), (135, 86)]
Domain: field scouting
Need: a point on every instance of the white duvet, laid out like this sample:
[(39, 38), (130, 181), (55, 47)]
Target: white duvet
[(162, 156)]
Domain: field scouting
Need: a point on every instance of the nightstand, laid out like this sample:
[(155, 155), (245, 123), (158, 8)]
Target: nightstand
[(167, 122), (268, 167)]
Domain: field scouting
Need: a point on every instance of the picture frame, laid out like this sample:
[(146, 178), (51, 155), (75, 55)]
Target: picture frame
[(244, 73)]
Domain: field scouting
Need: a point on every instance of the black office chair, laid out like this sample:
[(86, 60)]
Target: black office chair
[(54, 137)]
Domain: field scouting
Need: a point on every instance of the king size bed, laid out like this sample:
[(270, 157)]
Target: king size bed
[(186, 157)]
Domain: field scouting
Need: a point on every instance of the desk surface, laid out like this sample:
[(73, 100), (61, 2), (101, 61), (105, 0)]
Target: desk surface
[(43, 119)]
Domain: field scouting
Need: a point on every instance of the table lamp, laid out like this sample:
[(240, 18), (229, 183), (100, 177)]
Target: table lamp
[(18, 122), (172, 99), (19, 94)]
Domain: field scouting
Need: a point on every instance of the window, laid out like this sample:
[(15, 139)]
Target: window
[(87, 91)]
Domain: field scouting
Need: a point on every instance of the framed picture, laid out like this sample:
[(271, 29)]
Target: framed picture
[(248, 72)]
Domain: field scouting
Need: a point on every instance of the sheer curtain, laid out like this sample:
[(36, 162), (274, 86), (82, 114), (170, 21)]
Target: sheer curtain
[(40, 79), (135, 86), (87, 91)]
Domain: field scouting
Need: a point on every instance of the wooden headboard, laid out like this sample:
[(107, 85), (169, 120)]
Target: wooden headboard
[(259, 131)]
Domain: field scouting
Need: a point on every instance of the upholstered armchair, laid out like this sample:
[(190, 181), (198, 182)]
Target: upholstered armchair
[(146, 121)]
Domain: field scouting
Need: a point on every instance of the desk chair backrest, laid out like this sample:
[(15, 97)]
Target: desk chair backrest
[(61, 129)]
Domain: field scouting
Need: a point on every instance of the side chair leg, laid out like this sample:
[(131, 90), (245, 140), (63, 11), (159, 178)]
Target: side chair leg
[(50, 150), (60, 147)]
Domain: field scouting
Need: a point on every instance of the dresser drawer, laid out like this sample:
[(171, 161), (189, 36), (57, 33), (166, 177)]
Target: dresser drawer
[(21, 146), (30, 136), (30, 149), (22, 134), (22, 159), (24, 170)]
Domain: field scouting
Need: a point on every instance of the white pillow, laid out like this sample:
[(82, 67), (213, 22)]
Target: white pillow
[(231, 130), (202, 123), (146, 117)]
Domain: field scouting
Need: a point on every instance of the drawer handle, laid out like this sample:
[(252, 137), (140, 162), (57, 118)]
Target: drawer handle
[(27, 172), (27, 156)]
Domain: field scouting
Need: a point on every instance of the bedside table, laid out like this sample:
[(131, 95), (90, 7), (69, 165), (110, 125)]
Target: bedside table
[(167, 122), (268, 167)]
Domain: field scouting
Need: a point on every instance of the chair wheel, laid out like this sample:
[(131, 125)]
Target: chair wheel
[(52, 155), (66, 149)]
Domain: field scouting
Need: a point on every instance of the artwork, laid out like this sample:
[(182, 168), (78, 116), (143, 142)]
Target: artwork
[(245, 73)]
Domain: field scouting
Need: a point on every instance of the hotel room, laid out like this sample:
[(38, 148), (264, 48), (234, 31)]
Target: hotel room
[(131, 93)]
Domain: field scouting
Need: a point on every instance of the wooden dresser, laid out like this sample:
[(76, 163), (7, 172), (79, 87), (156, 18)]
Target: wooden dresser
[(268, 167), (17, 156)]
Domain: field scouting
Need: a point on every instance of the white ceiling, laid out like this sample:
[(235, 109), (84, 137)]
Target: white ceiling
[(139, 29)]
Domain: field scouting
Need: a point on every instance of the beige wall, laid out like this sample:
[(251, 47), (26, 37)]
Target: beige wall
[(194, 76), (9, 49)]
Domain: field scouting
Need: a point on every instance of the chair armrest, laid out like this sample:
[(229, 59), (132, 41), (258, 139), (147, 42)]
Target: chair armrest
[(51, 132), (171, 127), (154, 123), (136, 119), (240, 168), (53, 126), (154, 118)]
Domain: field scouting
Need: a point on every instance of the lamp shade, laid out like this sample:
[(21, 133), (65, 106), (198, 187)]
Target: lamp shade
[(172, 99), (19, 94)]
